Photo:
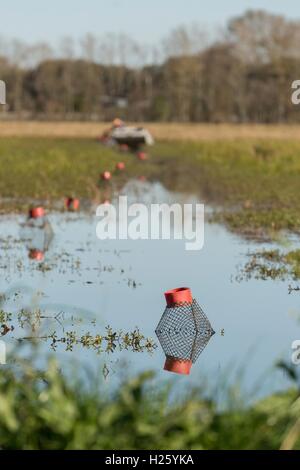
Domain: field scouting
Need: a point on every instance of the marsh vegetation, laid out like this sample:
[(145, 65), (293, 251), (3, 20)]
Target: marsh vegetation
[(251, 186)]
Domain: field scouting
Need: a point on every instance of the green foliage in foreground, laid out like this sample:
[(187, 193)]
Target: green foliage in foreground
[(47, 411)]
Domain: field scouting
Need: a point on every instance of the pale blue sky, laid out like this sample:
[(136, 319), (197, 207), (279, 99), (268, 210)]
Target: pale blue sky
[(148, 20)]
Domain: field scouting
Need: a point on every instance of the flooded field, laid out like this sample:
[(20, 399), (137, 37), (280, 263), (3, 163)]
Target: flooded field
[(98, 302)]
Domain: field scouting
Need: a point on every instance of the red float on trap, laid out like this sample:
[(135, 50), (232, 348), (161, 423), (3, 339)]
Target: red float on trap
[(120, 166), (36, 212), (124, 147), (37, 255), (72, 204), (179, 296), (142, 156), (106, 175)]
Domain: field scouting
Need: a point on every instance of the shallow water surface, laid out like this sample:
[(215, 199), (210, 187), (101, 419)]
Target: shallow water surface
[(87, 284)]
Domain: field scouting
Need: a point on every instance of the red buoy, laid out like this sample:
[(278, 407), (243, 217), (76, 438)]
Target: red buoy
[(124, 147), (106, 175), (120, 166), (179, 366), (181, 295), (36, 212), (72, 203), (142, 155), (37, 255)]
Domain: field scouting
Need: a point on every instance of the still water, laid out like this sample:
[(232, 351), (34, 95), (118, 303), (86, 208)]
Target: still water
[(91, 283)]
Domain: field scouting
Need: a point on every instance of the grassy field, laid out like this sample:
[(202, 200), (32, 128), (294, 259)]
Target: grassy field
[(49, 169), (255, 182), (161, 131)]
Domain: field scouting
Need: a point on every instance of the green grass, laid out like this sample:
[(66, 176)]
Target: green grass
[(50, 169), (44, 410), (255, 183), (272, 264)]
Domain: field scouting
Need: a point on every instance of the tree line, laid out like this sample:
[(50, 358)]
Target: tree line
[(243, 75)]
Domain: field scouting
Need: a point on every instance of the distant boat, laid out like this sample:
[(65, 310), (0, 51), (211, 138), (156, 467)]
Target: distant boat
[(134, 137)]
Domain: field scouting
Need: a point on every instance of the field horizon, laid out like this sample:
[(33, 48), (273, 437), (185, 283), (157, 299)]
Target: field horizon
[(161, 131)]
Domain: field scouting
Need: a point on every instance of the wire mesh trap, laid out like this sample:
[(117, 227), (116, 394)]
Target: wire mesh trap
[(183, 332)]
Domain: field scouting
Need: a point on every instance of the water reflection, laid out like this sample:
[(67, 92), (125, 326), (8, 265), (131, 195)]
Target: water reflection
[(120, 283), (36, 233)]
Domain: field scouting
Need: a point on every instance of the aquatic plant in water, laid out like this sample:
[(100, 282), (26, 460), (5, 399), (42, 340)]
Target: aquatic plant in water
[(33, 321), (271, 264)]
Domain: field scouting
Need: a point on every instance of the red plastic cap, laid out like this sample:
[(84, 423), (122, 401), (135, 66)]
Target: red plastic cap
[(179, 295), (106, 175), (179, 366), (38, 255), (142, 155), (72, 203), (120, 166), (36, 212)]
